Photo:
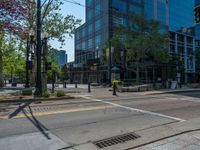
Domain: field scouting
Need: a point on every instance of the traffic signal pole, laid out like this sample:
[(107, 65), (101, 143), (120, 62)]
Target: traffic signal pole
[(27, 63), (38, 50), (197, 14)]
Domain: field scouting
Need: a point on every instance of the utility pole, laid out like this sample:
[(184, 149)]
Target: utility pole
[(38, 50), (45, 50), (27, 62)]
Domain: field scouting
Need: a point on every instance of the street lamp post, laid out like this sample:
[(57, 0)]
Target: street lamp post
[(97, 65), (38, 50), (45, 50), (27, 62)]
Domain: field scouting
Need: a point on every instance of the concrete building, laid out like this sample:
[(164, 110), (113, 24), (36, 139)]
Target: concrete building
[(104, 16)]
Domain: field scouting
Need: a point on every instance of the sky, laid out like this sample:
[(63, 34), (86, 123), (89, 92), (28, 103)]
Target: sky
[(79, 13)]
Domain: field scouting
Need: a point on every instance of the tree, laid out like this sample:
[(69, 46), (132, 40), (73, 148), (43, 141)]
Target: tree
[(20, 19), (143, 43), (64, 73), (197, 56)]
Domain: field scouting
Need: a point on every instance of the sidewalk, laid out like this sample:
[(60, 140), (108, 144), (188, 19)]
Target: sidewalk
[(176, 136), (103, 93), (189, 141)]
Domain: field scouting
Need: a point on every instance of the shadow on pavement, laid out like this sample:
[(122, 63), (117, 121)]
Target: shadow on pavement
[(19, 109), (195, 94), (30, 116), (36, 123)]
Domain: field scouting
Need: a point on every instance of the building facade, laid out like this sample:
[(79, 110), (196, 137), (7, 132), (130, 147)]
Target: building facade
[(61, 57), (103, 17)]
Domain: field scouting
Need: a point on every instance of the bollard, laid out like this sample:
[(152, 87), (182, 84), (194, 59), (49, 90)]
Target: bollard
[(89, 90), (75, 84), (65, 84), (114, 88)]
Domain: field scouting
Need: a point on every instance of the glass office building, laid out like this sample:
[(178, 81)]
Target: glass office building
[(197, 27), (104, 16)]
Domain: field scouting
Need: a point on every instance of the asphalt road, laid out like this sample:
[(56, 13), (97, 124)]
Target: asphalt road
[(88, 119)]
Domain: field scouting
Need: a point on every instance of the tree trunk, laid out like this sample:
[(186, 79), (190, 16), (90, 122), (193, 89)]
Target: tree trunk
[(154, 84), (1, 70), (137, 75), (146, 75)]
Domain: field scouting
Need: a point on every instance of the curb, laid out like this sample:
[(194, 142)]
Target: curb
[(35, 99), (171, 92), (164, 138)]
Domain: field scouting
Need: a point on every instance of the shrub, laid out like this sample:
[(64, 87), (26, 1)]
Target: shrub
[(60, 93), (117, 82), (27, 92), (46, 94), (94, 84)]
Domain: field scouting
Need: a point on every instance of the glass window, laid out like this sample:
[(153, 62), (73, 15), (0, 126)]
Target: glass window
[(90, 43), (89, 2), (97, 9), (137, 10), (97, 25), (83, 32), (89, 14), (120, 5), (90, 29), (83, 45), (97, 40)]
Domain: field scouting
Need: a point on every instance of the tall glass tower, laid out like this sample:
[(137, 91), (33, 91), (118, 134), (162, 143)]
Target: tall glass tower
[(104, 16)]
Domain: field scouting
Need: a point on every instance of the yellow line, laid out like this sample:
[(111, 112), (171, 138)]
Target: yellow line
[(58, 112)]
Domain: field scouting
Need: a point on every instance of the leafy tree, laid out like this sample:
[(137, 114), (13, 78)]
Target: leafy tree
[(197, 56), (64, 73), (143, 43), (20, 19)]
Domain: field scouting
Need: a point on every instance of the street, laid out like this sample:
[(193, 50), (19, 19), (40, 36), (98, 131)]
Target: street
[(86, 119)]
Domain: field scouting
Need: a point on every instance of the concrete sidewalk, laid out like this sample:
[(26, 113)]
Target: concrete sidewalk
[(175, 136), (189, 141), (103, 93)]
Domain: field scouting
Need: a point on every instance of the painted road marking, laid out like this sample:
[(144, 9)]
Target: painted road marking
[(135, 109), (58, 112)]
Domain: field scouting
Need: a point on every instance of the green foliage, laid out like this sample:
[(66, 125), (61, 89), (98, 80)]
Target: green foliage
[(58, 26), (11, 57), (197, 56), (64, 73), (46, 94), (143, 42), (60, 93), (117, 82), (27, 92)]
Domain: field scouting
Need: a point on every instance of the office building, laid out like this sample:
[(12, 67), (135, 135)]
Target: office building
[(103, 17)]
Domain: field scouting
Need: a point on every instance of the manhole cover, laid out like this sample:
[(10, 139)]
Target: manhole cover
[(116, 140)]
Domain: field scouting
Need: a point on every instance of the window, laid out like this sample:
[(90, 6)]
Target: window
[(83, 32), (137, 10), (120, 5), (97, 9), (89, 2), (97, 40), (90, 29), (89, 14), (83, 46), (90, 43), (78, 35), (97, 25)]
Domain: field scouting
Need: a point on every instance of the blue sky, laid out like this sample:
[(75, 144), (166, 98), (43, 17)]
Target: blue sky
[(78, 12)]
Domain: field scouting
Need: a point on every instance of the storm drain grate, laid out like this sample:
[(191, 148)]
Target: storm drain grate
[(116, 140)]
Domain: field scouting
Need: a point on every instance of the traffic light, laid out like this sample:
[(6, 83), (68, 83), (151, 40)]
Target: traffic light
[(48, 65), (197, 14)]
